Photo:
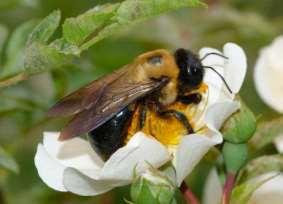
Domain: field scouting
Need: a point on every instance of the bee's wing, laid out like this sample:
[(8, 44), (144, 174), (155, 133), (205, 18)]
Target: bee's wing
[(112, 99), (85, 97)]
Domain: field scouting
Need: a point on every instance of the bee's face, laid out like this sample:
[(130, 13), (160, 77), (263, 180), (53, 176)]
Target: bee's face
[(191, 70)]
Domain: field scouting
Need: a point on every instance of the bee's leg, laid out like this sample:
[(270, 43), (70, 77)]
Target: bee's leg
[(194, 98), (179, 116), (142, 114)]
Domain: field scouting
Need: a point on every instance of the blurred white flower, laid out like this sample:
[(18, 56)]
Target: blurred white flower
[(278, 141), (270, 192), (212, 188), (268, 74), (73, 165)]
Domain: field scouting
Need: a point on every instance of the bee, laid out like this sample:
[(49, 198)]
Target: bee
[(149, 94)]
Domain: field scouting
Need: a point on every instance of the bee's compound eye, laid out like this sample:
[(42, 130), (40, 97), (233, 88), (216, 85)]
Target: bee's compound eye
[(155, 60)]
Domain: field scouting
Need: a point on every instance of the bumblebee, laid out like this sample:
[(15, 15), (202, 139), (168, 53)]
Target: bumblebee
[(150, 94)]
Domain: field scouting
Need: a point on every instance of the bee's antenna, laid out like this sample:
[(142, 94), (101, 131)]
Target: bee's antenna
[(222, 78), (213, 53)]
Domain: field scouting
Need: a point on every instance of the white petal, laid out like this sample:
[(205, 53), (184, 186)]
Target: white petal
[(140, 151), (212, 189), (269, 192), (190, 151), (49, 170), (193, 147), (75, 152), (274, 54), (219, 112), (268, 82), (235, 67), (80, 184), (279, 143), (211, 78), (211, 60)]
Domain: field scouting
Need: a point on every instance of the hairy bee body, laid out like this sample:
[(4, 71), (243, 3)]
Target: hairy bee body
[(140, 116), (152, 94), (116, 132)]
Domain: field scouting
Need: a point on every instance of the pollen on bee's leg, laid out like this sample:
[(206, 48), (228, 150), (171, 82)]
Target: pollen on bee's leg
[(167, 130), (203, 88), (196, 112), (133, 126)]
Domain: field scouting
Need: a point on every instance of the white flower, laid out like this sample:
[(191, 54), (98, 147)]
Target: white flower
[(268, 74), (278, 142), (270, 191), (212, 188), (73, 166)]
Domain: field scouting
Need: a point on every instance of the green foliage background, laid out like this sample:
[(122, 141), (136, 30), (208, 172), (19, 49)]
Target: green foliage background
[(252, 24)]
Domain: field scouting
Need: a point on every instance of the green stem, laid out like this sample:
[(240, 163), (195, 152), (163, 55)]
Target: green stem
[(228, 187), (12, 80), (188, 194)]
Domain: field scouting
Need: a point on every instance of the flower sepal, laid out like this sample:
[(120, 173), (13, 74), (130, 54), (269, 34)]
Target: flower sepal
[(240, 126), (154, 187)]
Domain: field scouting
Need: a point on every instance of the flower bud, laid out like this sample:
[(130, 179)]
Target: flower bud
[(240, 127), (153, 187)]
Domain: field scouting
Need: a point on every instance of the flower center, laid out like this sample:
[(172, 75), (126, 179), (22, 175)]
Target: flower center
[(167, 130)]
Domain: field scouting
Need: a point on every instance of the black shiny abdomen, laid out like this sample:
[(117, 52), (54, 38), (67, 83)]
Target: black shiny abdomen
[(110, 136)]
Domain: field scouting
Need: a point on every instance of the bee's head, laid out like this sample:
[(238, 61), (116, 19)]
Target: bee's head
[(191, 70)]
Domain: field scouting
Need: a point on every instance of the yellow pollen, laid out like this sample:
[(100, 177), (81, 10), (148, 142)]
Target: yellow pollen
[(167, 130)]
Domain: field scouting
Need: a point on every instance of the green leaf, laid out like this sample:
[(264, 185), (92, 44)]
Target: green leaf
[(103, 21), (266, 133), (261, 165), (40, 58), (235, 156), (18, 39), (3, 37), (78, 30), (240, 127), (12, 4), (45, 29), (15, 50), (7, 162), (243, 192), (82, 32), (130, 12)]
